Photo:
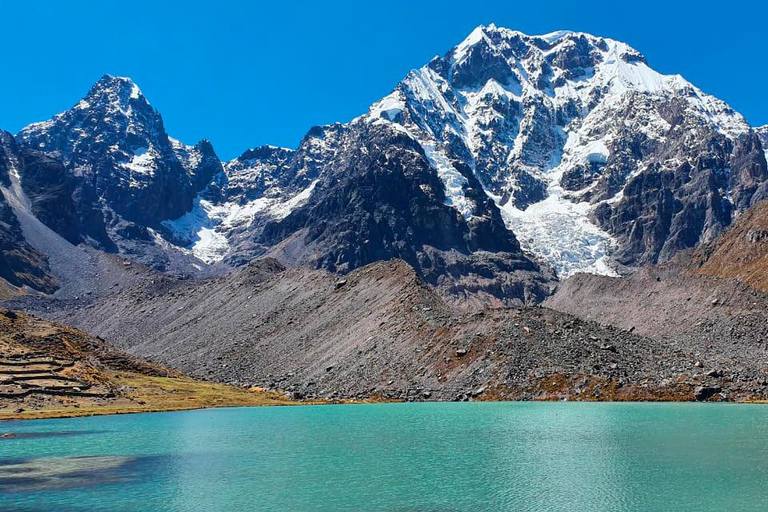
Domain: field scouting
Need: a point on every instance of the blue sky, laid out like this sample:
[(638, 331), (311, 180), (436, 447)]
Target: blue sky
[(245, 75)]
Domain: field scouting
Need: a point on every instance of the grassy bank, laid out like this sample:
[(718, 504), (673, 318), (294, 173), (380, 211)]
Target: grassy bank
[(142, 393)]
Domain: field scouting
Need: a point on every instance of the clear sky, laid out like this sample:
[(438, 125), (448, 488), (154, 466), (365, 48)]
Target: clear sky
[(242, 74)]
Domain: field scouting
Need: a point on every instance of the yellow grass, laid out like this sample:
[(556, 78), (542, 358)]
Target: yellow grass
[(152, 394)]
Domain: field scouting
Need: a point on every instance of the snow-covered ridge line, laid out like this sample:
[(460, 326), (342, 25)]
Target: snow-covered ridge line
[(555, 127), (524, 111)]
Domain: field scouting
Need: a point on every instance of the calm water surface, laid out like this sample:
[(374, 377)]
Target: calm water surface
[(396, 457)]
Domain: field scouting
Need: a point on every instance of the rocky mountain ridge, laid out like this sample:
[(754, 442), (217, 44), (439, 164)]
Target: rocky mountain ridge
[(494, 170), (596, 162), (119, 174)]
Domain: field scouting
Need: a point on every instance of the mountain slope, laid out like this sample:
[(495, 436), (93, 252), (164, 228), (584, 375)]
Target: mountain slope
[(379, 198), (381, 332), (715, 294), (20, 263), (122, 173), (741, 252), (52, 370), (585, 148)]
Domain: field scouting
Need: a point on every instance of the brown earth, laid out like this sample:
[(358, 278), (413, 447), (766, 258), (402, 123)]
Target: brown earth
[(7, 290), (53, 370), (741, 252)]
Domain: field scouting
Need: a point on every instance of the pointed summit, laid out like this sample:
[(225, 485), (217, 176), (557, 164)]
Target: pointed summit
[(115, 94), (120, 85), (114, 142), (113, 108)]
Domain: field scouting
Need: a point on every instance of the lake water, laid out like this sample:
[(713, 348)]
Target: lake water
[(430, 457)]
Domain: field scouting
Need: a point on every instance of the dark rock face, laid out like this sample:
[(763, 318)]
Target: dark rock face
[(122, 171), (682, 200), (704, 393), (678, 191), (749, 172), (50, 191), (380, 199), (20, 263), (576, 58)]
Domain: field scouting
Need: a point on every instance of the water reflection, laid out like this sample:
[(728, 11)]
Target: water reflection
[(27, 475), (471, 457)]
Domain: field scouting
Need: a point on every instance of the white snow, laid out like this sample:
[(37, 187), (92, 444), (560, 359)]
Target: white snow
[(207, 226), (389, 106), (559, 230), (477, 35), (142, 162), (281, 210), (452, 179), (555, 36)]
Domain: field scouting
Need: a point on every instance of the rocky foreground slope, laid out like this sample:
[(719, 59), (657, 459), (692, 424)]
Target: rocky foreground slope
[(49, 369), (381, 332)]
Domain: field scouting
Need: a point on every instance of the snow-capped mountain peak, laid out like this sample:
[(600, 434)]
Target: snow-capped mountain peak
[(114, 92), (544, 121), (113, 143), (567, 144)]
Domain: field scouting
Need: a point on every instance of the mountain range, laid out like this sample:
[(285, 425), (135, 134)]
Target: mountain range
[(512, 170)]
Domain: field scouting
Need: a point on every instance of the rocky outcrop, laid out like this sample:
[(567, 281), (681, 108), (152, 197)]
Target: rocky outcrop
[(380, 199), (749, 172), (110, 160), (20, 263), (672, 206)]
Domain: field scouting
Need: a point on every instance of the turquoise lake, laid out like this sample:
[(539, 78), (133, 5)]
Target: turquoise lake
[(430, 457)]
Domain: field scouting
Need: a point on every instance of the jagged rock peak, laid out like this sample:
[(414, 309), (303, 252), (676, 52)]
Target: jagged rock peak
[(115, 89), (556, 127)]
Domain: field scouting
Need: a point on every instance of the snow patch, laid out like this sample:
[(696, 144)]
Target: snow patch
[(142, 162), (453, 180), (389, 107), (208, 225), (555, 36), (559, 230)]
